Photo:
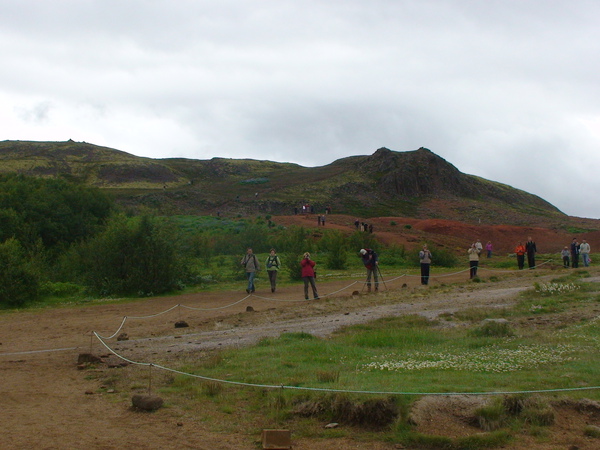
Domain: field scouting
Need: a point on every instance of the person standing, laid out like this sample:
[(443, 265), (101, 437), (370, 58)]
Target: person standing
[(530, 249), (520, 252), (574, 253), (425, 260), (308, 275), (584, 250), (371, 261), (489, 248), (251, 265), (273, 263), (479, 246), (473, 260), (565, 257)]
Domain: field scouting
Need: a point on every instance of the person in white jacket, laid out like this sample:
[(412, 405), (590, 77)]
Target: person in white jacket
[(584, 251)]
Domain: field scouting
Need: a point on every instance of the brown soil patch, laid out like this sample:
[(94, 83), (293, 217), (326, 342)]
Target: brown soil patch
[(49, 403)]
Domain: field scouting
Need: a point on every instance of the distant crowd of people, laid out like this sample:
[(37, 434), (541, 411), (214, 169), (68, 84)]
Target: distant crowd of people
[(571, 255), (362, 226)]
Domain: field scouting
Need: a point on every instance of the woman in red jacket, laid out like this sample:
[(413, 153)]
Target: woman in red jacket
[(308, 275), (520, 251)]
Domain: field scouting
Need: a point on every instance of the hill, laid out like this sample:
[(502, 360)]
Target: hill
[(416, 184)]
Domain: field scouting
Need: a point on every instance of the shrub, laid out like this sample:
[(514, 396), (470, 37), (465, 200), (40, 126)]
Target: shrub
[(492, 328), (336, 245), (19, 282), (132, 256)]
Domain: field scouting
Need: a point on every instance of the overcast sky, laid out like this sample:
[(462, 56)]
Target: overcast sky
[(507, 90)]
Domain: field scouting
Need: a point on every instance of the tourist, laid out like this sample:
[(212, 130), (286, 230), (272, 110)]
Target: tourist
[(489, 248), (473, 260), (251, 265), (425, 260), (520, 252), (308, 275), (530, 249), (565, 257), (371, 262), (584, 250), (273, 263), (575, 253)]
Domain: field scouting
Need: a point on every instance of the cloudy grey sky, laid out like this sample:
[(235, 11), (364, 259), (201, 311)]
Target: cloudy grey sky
[(507, 90)]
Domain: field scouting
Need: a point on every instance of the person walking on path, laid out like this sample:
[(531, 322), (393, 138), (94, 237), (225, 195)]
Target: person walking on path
[(584, 250), (473, 260), (574, 253), (371, 261), (565, 257), (531, 250), (251, 265), (308, 275), (520, 252), (425, 260), (273, 264)]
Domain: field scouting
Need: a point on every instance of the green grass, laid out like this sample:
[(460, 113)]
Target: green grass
[(302, 381)]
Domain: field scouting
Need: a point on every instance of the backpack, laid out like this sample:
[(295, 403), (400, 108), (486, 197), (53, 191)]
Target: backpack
[(272, 261)]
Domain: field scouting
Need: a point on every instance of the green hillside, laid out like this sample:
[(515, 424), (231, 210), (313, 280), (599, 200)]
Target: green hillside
[(414, 183)]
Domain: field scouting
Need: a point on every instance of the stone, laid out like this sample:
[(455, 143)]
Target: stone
[(146, 402)]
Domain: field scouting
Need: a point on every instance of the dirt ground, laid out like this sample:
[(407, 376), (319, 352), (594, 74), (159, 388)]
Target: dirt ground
[(49, 404)]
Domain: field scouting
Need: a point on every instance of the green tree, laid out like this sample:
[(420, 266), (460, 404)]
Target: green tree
[(54, 210), (19, 281), (336, 245), (133, 256)]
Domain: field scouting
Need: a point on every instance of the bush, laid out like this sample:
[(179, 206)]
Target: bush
[(132, 256), (336, 245), (19, 282)]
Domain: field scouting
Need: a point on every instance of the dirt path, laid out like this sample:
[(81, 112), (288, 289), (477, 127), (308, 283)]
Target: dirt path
[(50, 404)]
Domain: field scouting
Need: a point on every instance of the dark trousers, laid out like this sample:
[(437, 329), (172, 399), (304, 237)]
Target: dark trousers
[(531, 260), (566, 262), (424, 273), (521, 261), (473, 268), (372, 272), (311, 281), (272, 279), (575, 260)]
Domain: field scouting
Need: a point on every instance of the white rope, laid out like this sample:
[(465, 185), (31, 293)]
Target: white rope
[(347, 391)]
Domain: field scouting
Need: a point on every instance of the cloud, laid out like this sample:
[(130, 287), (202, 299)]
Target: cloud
[(506, 90)]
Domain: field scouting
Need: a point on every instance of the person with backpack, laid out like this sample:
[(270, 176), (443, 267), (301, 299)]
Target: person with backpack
[(273, 263), (371, 261), (251, 265)]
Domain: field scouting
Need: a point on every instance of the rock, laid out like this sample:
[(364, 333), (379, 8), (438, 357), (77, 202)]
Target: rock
[(332, 425), (181, 324), (249, 309), (146, 402), (88, 358), (123, 337)]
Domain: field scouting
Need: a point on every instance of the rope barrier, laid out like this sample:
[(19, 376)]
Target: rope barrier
[(344, 391)]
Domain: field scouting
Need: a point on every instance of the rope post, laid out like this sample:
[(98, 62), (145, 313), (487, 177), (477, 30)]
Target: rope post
[(91, 341), (150, 379)]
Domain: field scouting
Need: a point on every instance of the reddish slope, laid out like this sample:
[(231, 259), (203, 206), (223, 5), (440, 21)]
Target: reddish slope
[(451, 234)]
